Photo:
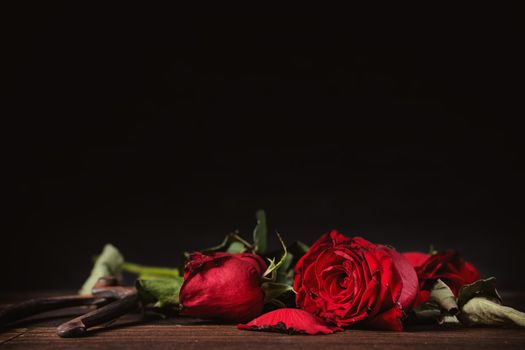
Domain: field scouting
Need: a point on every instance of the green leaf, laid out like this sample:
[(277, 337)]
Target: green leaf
[(260, 233), (295, 251), (160, 292), (233, 242), (236, 247), (273, 267), (278, 295), (150, 272), (481, 288), (441, 295), (302, 247), (273, 290), (285, 273), (108, 263)]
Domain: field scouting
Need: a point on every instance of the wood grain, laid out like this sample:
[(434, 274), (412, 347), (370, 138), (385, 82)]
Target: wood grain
[(131, 332)]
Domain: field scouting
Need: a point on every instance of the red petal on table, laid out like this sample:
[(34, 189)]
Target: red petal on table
[(290, 321)]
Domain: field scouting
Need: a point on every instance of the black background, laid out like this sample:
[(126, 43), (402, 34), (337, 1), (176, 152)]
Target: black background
[(162, 130)]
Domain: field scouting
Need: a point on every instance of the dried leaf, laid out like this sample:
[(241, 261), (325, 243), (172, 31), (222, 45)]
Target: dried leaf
[(480, 304), (482, 311), (481, 288), (444, 298)]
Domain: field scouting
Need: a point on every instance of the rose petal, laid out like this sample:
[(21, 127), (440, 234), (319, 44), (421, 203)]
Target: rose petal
[(410, 290), (470, 274), (416, 258), (338, 238), (423, 297), (197, 260), (290, 321), (389, 320)]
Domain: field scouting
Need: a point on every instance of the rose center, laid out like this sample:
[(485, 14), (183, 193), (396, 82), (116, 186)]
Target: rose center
[(344, 282)]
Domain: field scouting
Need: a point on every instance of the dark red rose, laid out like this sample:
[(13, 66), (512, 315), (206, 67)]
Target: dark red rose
[(291, 321), (223, 286), (349, 280), (447, 266)]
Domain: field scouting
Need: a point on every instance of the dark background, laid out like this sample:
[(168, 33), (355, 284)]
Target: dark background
[(162, 130)]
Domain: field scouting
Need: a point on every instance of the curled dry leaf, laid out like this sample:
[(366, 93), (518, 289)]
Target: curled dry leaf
[(444, 298), (481, 311), (480, 304)]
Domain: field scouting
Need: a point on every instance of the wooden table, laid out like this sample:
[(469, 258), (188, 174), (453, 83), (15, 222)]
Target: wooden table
[(131, 333)]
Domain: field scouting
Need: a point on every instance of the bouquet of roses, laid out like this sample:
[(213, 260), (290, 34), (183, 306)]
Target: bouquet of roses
[(338, 282)]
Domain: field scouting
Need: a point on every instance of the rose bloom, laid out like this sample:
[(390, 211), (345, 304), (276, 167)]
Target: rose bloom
[(350, 280), (223, 286), (447, 266)]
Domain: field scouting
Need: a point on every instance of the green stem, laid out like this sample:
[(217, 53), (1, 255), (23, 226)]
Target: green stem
[(151, 270)]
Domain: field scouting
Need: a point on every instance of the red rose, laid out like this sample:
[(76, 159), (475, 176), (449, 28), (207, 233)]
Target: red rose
[(223, 286), (349, 280), (447, 266)]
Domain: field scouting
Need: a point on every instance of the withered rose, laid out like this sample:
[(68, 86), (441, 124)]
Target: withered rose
[(447, 266), (347, 281), (223, 286)]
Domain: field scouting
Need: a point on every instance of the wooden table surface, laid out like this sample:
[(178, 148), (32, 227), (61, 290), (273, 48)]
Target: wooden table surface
[(131, 333)]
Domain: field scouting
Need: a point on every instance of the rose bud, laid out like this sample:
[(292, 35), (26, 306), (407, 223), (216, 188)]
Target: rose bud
[(290, 321), (350, 280), (223, 286), (447, 266)]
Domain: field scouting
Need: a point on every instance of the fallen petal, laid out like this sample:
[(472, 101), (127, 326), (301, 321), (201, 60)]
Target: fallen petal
[(290, 321)]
